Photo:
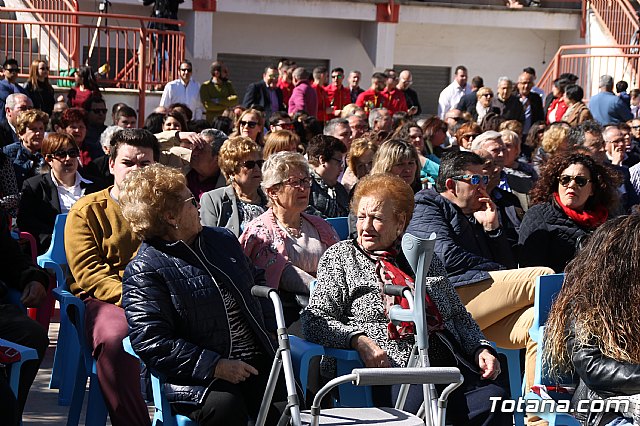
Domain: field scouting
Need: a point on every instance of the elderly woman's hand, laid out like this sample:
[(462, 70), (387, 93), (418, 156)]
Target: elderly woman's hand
[(233, 371), (371, 354), (489, 364)]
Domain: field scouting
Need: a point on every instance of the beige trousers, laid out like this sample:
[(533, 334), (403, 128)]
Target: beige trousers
[(503, 307)]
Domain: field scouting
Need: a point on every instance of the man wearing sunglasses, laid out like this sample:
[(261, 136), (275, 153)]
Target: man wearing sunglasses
[(339, 96), (265, 93), (183, 90), (9, 85), (476, 254)]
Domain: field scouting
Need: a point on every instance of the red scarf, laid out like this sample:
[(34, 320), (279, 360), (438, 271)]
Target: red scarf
[(389, 273), (586, 219)]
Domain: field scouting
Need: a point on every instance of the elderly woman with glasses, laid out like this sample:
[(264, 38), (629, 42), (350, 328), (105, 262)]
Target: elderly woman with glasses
[(47, 195), (237, 204), (187, 299), (483, 106), (284, 241), (573, 196), (251, 124), (25, 155)]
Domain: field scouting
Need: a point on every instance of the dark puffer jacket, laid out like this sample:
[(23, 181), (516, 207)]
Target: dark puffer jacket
[(548, 237), (467, 251), (177, 318)]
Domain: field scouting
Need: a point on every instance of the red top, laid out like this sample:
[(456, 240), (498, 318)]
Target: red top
[(370, 99), (396, 100), (76, 98), (323, 103), (339, 96), (287, 89)]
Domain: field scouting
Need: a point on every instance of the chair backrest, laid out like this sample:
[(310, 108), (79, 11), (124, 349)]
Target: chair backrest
[(419, 252), (341, 225), (55, 257), (547, 288)]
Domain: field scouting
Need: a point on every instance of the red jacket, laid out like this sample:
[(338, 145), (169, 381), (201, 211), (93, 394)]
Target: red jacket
[(287, 89), (396, 100), (370, 99), (339, 96), (323, 103), (562, 108)]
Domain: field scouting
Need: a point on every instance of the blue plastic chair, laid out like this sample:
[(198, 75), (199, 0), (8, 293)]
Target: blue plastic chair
[(162, 415), (547, 288), (301, 354), (516, 381), (26, 354), (341, 225)]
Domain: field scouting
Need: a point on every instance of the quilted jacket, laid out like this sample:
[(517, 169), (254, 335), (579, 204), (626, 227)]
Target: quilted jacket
[(548, 237), (177, 318), (467, 251)]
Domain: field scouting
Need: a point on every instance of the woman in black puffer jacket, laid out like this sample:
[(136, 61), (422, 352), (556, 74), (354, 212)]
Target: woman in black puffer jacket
[(573, 196), (187, 298)]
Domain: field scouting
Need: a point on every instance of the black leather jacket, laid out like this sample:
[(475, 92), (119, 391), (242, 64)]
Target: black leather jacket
[(177, 318)]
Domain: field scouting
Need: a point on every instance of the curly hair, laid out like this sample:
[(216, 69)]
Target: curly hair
[(555, 139), (358, 148), (605, 181), (233, 151), (599, 296), (147, 195), (29, 117)]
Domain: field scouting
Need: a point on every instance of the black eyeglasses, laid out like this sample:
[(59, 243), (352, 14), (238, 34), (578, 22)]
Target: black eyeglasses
[(193, 200), (12, 70), (251, 164), (186, 69), (298, 183), (250, 124), (581, 181), (62, 154), (473, 179), (470, 135), (99, 110), (635, 127)]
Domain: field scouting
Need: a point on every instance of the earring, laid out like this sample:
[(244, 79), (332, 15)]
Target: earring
[(175, 226)]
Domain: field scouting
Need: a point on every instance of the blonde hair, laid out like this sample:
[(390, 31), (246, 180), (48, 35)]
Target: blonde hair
[(359, 147), (233, 151), (26, 118), (555, 139), (147, 195)]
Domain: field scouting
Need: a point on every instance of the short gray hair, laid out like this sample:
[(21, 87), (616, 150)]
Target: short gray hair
[(505, 78), (606, 81), (277, 167), (300, 74), (12, 100), (374, 115), (105, 137), (332, 125), (489, 135), (217, 138)]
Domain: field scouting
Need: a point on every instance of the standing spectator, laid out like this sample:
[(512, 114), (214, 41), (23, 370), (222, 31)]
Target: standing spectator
[(303, 97), (411, 96), (86, 86), (577, 112), (354, 85), (507, 104), (468, 101), (9, 84), (558, 106), (606, 107), (531, 103), (38, 87), (373, 97), (184, 90), (324, 107), (285, 79), (339, 95), (532, 74), (96, 113), (395, 98), (163, 9), (265, 93), (328, 196), (621, 88), (218, 93), (635, 102), (451, 95)]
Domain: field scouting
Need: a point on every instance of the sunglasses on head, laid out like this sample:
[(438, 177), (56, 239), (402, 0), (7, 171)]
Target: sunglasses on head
[(581, 181), (473, 179), (250, 124), (251, 164), (62, 154)]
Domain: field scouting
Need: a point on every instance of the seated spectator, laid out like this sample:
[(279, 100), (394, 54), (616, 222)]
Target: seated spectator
[(96, 115), (99, 168), (74, 122), (616, 153), (411, 132), (280, 140), (434, 131), (591, 329), (554, 141), (588, 135), (358, 125), (205, 172), (47, 195), (326, 158), (153, 122), (9, 193), (380, 119), (507, 104), (18, 272), (100, 244), (577, 112), (198, 326), (280, 120), (513, 125), (85, 87), (573, 197), (339, 129), (16, 104), (25, 155), (174, 121), (183, 109), (238, 203), (359, 162), (224, 124), (465, 135), (533, 140), (519, 175), (251, 124), (284, 241), (348, 310), (476, 253), (399, 158), (126, 117)]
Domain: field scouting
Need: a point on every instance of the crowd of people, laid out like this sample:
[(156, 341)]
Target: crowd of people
[(218, 192)]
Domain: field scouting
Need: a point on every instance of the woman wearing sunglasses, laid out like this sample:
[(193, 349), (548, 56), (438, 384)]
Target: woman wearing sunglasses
[(238, 203), (251, 125), (573, 196), (46, 195)]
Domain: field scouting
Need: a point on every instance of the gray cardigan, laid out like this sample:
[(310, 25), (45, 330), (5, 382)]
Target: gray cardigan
[(220, 208)]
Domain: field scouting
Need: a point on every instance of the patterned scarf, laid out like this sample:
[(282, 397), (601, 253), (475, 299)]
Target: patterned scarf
[(388, 272)]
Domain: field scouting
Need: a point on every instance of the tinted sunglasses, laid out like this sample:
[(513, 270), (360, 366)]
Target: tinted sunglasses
[(250, 124), (581, 181), (62, 154), (473, 179), (251, 164)]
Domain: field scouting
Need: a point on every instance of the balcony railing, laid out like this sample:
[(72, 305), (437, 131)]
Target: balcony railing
[(548, 4), (618, 17)]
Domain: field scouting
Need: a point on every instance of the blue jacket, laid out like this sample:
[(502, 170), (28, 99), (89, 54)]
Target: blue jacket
[(177, 318), (467, 251), (5, 90), (25, 164), (607, 108)]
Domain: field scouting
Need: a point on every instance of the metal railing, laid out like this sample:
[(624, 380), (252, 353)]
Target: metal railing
[(618, 17), (139, 57), (591, 62)]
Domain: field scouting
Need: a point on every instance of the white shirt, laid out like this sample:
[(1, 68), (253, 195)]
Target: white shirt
[(450, 96), (67, 196), (176, 92)]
